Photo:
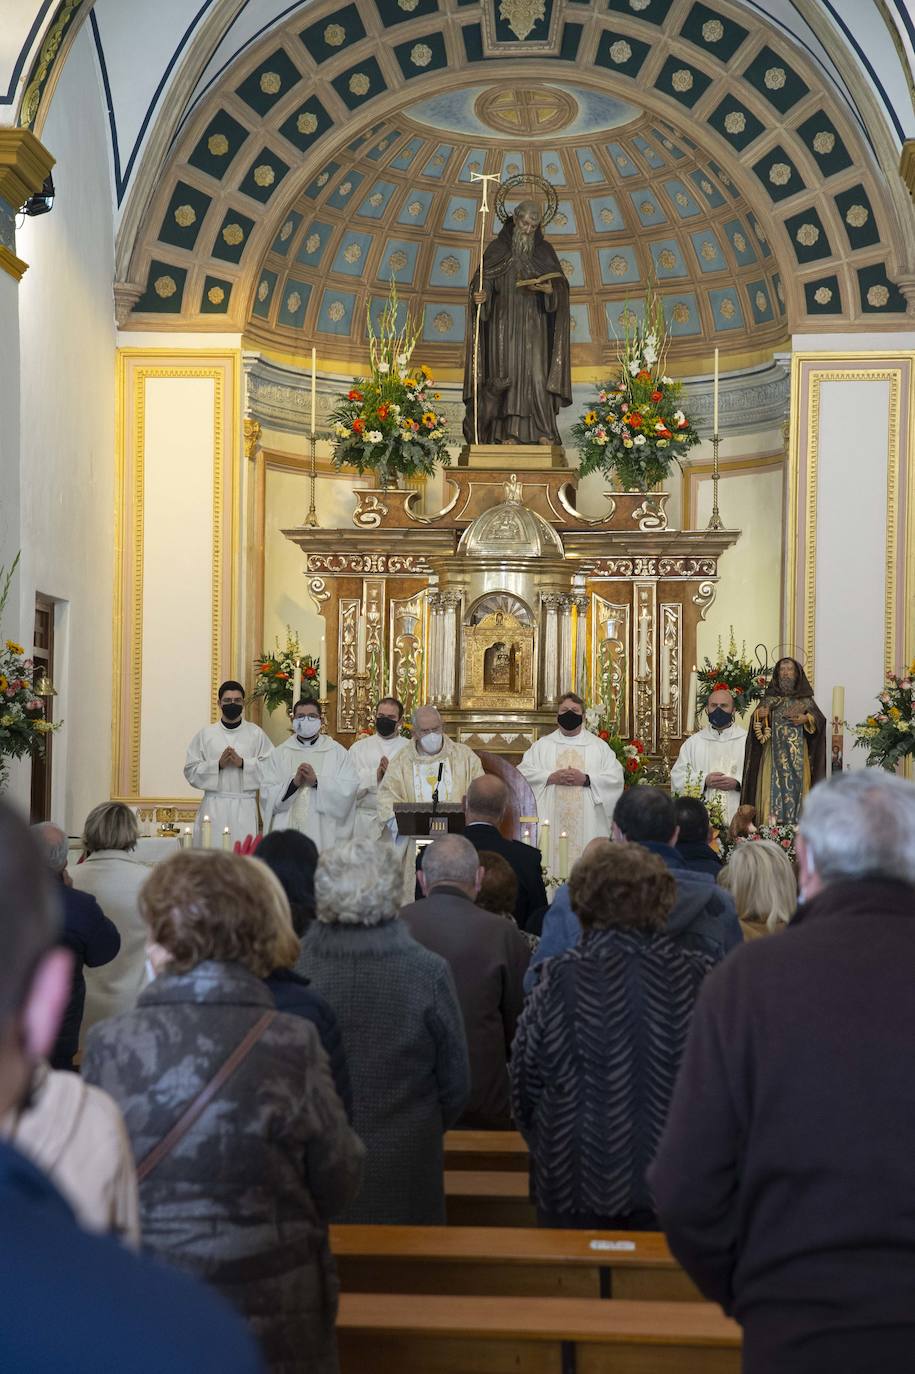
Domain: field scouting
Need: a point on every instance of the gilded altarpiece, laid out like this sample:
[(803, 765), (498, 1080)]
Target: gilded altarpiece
[(508, 597)]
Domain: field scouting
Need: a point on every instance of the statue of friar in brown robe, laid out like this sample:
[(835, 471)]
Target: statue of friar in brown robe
[(523, 366), (786, 746)]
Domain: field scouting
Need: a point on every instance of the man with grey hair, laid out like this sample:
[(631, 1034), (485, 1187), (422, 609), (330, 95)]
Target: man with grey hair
[(784, 1175), (87, 932), (488, 956), (432, 767)]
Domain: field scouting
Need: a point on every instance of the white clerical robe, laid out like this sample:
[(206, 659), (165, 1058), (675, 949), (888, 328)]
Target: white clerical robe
[(323, 813), (711, 751), (366, 755), (229, 794), (582, 812), (412, 777)]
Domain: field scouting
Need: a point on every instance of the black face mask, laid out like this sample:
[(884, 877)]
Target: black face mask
[(720, 717), (385, 726), (569, 720), (232, 710)]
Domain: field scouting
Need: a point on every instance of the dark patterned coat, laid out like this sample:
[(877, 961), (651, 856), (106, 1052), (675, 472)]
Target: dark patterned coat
[(243, 1200), (593, 1068)]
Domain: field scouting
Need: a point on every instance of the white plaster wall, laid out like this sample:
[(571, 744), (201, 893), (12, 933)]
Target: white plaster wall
[(9, 438), (749, 587), (851, 547), (67, 423), (177, 577), (286, 599)]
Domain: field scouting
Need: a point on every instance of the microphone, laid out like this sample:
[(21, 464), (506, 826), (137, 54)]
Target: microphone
[(441, 768)]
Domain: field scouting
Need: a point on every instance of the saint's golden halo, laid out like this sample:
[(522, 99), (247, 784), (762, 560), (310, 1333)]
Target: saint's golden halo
[(528, 179)]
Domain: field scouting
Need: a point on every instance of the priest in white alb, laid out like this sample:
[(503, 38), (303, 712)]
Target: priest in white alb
[(226, 762), (430, 762), (712, 758), (576, 779), (311, 783), (370, 756)]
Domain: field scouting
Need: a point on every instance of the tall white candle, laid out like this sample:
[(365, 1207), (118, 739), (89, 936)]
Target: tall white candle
[(226, 838), (715, 397), (665, 676), (838, 703), (315, 386), (322, 672), (296, 682), (562, 869), (206, 832), (643, 644), (691, 700), (543, 838), (184, 840)]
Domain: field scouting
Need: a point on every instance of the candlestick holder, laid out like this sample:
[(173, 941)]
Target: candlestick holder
[(715, 523), (311, 519), (643, 707), (666, 714)]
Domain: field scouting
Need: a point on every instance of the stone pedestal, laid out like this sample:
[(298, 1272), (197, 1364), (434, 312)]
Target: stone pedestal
[(513, 457)]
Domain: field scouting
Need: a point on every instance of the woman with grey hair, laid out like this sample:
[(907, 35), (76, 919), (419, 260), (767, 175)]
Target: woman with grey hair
[(114, 877), (403, 1035)]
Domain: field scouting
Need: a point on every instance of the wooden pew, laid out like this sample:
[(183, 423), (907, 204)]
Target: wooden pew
[(509, 1263), (477, 1197), (486, 1150), (408, 1334)]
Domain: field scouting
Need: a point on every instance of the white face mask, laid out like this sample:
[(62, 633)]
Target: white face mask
[(306, 727), (431, 744)]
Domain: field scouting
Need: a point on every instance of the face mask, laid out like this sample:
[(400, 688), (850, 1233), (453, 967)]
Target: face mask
[(232, 710), (569, 720), (719, 717), (306, 727), (431, 744), (385, 726)]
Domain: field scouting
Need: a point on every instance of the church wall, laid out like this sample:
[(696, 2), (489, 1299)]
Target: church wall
[(9, 440), (850, 589), (67, 431)]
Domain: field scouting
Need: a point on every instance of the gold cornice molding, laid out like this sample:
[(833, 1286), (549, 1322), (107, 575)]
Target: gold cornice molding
[(24, 165), (11, 264)]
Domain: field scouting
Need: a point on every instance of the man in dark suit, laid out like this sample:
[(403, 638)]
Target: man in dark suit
[(484, 807), (488, 957), (87, 933)]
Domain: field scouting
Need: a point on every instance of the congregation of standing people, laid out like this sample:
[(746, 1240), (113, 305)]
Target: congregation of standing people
[(206, 1062)]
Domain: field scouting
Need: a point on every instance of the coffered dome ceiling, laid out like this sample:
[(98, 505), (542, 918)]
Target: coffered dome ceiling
[(686, 143)]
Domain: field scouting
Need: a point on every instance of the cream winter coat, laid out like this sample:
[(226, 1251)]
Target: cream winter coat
[(76, 1135), (114, 878)]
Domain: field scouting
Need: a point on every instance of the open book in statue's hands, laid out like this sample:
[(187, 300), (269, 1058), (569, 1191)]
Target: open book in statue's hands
[(539, 282)]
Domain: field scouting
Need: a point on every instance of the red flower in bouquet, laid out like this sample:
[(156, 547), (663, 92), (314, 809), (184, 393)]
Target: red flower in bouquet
[(643, 376), (358, 426), (656, 396), (603, 734), (637, 744), (634, 420), (633, 765), (309, 673), (383, 411), (354, 395)]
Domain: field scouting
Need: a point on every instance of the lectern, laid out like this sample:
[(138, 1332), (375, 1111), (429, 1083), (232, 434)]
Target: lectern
[(424, 822)]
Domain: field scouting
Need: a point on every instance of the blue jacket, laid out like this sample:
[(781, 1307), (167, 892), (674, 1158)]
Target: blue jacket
[(93, 940), (113, 1312), (704, 917)]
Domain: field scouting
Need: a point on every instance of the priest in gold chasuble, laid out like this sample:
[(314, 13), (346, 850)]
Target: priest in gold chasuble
[(786, 746), (429, 761)]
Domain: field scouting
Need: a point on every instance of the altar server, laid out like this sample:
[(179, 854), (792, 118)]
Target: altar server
[(311, 784), (370, 756), (576, 779), (430, 763), (226, 761), (714, 755)]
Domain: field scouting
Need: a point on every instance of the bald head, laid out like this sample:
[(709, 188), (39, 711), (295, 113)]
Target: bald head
[(452, 860), (486, 800), (54, 845)]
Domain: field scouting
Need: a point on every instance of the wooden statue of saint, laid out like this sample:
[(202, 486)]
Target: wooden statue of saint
[(524, 375), (786, 746)]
